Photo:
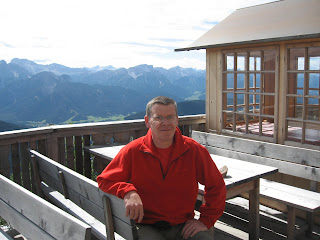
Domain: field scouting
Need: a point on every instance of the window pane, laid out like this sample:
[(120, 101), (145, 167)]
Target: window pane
[(267, 127), (254, 82), (295, 83), (294, 131), (254, 127), (269, 83), (241, 62), (313, 109), (314, 80), (312, 136), (228, 82), (314, 58), (300, 80), (314, 63), (295, 107), (253, 103), (255, 61), (228, 98), (240, 102), (228, 123), (229, 62), (296, 59), (268, 105), (269, 60), (240, 82)]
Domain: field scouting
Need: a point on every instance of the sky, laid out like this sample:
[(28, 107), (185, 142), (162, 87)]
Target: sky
[(121, 33)]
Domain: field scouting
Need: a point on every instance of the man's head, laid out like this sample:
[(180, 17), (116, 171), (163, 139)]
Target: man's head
[(160, 100), (162, 118)]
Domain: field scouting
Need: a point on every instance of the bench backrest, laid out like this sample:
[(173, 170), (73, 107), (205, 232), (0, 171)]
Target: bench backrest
[(86, 194), (299, 162), (36, 218)]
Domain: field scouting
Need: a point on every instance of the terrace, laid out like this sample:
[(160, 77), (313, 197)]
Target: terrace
[(261, 85), (65, 144)]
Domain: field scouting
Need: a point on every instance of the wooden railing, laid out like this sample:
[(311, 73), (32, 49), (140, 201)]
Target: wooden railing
[(64, 144)]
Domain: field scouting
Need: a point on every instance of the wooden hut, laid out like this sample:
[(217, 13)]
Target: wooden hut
[(263, 73)]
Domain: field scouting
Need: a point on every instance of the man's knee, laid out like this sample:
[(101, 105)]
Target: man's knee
[(204, 235), (147, 232)]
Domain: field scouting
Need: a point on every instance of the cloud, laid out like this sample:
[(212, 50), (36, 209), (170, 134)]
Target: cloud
[(4, 44), (122, 33)]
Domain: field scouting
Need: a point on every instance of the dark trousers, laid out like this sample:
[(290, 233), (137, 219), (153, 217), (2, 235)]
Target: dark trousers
[(147, 232)]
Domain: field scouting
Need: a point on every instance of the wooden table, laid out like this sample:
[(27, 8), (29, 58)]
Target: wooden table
[(242, 177)]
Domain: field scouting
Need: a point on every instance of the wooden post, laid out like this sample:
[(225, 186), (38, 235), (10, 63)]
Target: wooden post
[(53, 148), (25, 165), (61, 151), (254, 219), (70, 152), (108, 217), (64, 186), (33, 146), (4, 161), (42, 147), (16, 163), (79, 157), (36, 175), (291, 223), (87, 159)]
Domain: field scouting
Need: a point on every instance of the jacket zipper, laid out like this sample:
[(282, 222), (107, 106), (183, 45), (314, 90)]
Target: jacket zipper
[(163, 175)]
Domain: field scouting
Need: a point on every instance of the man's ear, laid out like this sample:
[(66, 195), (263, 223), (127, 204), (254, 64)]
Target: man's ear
[(146, 121)]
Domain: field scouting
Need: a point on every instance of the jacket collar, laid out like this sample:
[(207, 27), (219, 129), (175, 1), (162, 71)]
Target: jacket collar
[(180, 146)]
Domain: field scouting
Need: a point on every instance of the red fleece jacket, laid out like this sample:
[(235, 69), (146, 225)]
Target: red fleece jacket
[(169, 197)]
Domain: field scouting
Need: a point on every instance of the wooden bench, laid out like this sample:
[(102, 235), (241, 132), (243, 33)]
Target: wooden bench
[(82, 198), (34, 217), (292, 161)]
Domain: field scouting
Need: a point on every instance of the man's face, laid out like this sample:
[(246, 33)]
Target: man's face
[(163, 122)]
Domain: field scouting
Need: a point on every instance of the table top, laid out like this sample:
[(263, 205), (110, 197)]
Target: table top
[(239, 171)]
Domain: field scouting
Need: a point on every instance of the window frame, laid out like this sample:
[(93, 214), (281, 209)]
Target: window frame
[(304, 123), (247, 71)]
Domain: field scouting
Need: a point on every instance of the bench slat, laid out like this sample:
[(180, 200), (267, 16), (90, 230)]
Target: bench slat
[(270, 150), (291, 196), (97, 228), (21, 223), (41, 213), (289, 168)]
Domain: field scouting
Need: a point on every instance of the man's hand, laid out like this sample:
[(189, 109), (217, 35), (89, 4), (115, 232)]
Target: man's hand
[(192, 227), (134, 206)]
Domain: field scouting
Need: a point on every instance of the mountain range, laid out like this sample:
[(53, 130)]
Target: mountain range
[(34, 94)]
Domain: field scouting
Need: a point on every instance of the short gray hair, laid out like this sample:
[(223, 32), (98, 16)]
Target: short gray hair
[(160, 100)]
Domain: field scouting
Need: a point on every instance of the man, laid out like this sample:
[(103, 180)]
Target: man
[(158, 175)]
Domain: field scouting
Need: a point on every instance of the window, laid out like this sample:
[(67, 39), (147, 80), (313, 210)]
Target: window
[(303, 78), (250, 91)]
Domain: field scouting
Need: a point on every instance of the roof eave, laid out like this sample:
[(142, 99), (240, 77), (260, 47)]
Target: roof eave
[(257, 41)]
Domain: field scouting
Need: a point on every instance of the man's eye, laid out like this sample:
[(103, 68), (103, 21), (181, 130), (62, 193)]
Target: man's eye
[(170, 118)]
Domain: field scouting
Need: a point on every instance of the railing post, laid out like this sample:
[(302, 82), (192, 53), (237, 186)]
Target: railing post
[(25, 165), (4, 161), (87, 159), (53, 148), (79, 158), (70, 152), (16, 163)]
